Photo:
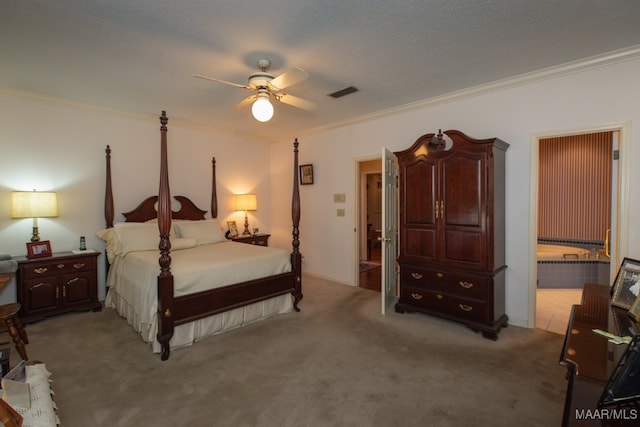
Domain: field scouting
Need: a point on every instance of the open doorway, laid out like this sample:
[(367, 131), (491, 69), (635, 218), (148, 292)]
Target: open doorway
[(577, 208), (370, 224)]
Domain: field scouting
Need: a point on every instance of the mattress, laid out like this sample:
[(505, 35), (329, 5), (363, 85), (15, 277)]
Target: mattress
[(132, 284)]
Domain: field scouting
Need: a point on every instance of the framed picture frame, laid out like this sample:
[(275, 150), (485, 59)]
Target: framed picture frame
[(233, 229), (38, 249), (626, 287), (634, 310), (623, 323), (306, 174)]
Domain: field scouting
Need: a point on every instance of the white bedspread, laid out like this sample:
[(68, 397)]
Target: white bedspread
[(132, 286)]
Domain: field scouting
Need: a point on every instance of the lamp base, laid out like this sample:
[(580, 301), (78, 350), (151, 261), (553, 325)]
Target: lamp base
[(35, 237), (246, 231)]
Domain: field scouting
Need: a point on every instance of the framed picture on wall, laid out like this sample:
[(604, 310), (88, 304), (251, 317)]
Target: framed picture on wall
[(626, 287), (306, 174)]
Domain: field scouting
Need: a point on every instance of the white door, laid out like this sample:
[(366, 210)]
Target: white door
[(389, 237)]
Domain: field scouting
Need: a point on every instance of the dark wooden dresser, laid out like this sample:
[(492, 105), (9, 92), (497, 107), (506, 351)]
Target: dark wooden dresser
[(590, 360), (57, 284), (452, 233)]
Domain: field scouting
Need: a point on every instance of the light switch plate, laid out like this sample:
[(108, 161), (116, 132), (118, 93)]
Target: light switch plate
[(340, 212), (339, 198)]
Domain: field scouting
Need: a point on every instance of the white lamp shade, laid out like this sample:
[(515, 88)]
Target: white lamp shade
[(34, 204), (246, 202), (262, 109)]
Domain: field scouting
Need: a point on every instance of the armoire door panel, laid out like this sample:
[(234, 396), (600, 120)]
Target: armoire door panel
[(463, 191), (420, 189), (464, 248), (420, 242)]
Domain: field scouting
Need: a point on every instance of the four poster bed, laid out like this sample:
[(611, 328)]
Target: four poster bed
[(206, 284)]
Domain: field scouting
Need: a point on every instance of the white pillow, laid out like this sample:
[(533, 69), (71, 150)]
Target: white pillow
[(110, 243), (183, 243), (205, 231), (136, 236)]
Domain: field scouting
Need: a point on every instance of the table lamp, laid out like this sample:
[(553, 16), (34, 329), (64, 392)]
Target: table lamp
[(34, 204), (246, 202)]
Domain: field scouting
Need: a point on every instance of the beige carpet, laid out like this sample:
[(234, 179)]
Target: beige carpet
[(336, 363)]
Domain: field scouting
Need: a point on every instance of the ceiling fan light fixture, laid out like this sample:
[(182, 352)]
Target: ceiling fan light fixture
[(262, 110)]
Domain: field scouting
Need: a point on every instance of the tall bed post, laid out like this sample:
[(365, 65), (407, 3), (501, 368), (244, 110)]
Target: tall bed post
[(108, 192), (296, 257), (165, 278), (214, 192)]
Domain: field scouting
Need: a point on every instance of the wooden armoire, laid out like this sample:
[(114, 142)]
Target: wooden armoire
[(452, 232)]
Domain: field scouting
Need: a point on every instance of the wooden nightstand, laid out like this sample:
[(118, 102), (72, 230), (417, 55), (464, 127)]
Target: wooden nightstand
[(57, 284), (258, 239)]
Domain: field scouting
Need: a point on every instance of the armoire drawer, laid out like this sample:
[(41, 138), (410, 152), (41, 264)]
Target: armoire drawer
[(446, 304), (453, 284)]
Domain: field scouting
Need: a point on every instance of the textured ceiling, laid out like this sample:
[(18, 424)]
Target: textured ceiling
[(138, 56)]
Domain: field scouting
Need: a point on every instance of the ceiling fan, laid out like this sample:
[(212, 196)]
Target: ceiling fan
[(266, 86)]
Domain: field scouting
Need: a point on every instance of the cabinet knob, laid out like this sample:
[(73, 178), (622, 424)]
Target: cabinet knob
[(440, 275), (60, 266), (439, 296), (416, 275), (466, 285), (78, 265), (465, 307), (40, 270), (416, 296)]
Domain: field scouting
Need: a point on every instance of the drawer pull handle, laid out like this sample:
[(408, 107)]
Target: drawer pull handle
[(40, 270), (416, 275), (439, 296), (60, 266), (466, 285), (78, 265), (465, 307), (416, 296), (439, 275)]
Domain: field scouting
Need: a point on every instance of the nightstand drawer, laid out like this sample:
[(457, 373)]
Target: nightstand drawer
[(55, 267), (453, 284), (258, 239)]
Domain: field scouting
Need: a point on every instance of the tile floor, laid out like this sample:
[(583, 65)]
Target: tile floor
[(553, 307)]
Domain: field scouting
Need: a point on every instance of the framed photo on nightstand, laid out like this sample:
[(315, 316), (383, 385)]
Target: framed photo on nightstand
[(38, 249), (233, 229)]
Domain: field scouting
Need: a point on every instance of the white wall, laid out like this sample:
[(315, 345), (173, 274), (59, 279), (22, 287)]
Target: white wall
[(48, 146), (597, 97)]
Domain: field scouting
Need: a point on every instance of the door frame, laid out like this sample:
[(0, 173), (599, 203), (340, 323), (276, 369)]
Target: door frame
[(620, 219), (360, 212)]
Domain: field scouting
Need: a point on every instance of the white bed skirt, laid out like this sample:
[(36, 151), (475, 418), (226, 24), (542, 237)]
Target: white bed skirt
[(188, 333)]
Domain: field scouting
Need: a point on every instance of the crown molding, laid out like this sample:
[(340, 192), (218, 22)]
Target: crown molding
[(585, 64)]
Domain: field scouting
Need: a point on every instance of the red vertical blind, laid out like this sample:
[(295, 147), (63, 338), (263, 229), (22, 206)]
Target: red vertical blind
[(574, 186)]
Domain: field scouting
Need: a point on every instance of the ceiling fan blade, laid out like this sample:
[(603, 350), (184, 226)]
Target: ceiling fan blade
[(223, 81), (296, 102), (245, 102), (289, 78)]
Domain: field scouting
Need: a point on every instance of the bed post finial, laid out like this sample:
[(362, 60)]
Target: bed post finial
[(296, 257), (163, 121)]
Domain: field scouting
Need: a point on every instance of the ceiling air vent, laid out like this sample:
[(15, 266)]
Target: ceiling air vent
[(344, 92)]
